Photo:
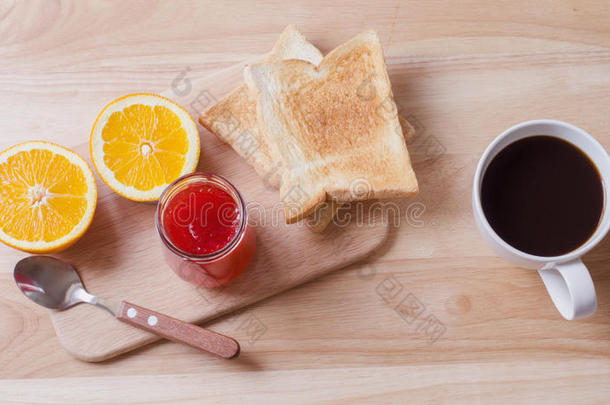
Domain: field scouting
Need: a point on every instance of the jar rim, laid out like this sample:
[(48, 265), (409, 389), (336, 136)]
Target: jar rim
[(208, 178)]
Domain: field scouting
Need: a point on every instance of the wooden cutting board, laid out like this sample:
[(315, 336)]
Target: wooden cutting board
[(120, 257)]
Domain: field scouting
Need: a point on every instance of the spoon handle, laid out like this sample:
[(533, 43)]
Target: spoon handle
[(177, 330)]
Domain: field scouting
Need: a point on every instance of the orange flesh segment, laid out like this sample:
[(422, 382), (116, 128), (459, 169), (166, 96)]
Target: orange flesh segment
[(144, 146)]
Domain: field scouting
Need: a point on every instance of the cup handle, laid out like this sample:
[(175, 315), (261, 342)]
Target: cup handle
[(571, 288)]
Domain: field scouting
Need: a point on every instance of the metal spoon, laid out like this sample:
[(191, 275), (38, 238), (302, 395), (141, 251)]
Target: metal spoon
[(55, 284)]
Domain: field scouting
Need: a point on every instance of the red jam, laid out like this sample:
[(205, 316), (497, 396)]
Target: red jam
[(201, 219), (203, 223)]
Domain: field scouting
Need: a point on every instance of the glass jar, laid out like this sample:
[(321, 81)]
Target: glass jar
[(215, 268)]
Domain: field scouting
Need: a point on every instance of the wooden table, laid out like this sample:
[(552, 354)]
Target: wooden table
[(471, 69)]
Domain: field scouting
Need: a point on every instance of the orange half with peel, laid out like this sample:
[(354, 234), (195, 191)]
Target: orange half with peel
[(47, 197), (141, 143)]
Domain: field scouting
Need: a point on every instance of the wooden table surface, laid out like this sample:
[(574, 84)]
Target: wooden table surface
[(487, 330)]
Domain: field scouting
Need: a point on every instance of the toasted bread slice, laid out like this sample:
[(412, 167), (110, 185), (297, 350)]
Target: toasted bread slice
[(233, 119), (333, 140)]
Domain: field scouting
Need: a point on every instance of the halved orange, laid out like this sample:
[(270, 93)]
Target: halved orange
[(140, 143), (47, 197)]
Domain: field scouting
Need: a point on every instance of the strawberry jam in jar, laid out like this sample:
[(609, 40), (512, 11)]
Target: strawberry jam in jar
[(203, 223)]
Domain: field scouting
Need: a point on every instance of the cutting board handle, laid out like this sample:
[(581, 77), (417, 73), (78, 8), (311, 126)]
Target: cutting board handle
[(178, 331)]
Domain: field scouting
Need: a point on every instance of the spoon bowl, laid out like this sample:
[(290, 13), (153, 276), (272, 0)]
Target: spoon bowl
[(48, 281)]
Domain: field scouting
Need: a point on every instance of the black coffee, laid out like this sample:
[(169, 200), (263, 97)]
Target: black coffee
[(542, 195)]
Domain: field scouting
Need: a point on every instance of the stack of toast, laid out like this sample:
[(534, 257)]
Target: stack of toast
[(321, 126)]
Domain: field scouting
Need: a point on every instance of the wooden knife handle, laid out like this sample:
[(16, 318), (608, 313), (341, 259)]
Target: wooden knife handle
[(178, 331)]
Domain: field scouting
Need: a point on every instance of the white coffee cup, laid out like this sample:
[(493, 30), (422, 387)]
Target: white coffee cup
[(566, 278)]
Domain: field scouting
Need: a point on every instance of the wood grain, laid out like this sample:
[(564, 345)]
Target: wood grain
[(465, 70)]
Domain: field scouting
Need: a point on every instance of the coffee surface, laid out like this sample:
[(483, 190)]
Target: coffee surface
[(542, 195)]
